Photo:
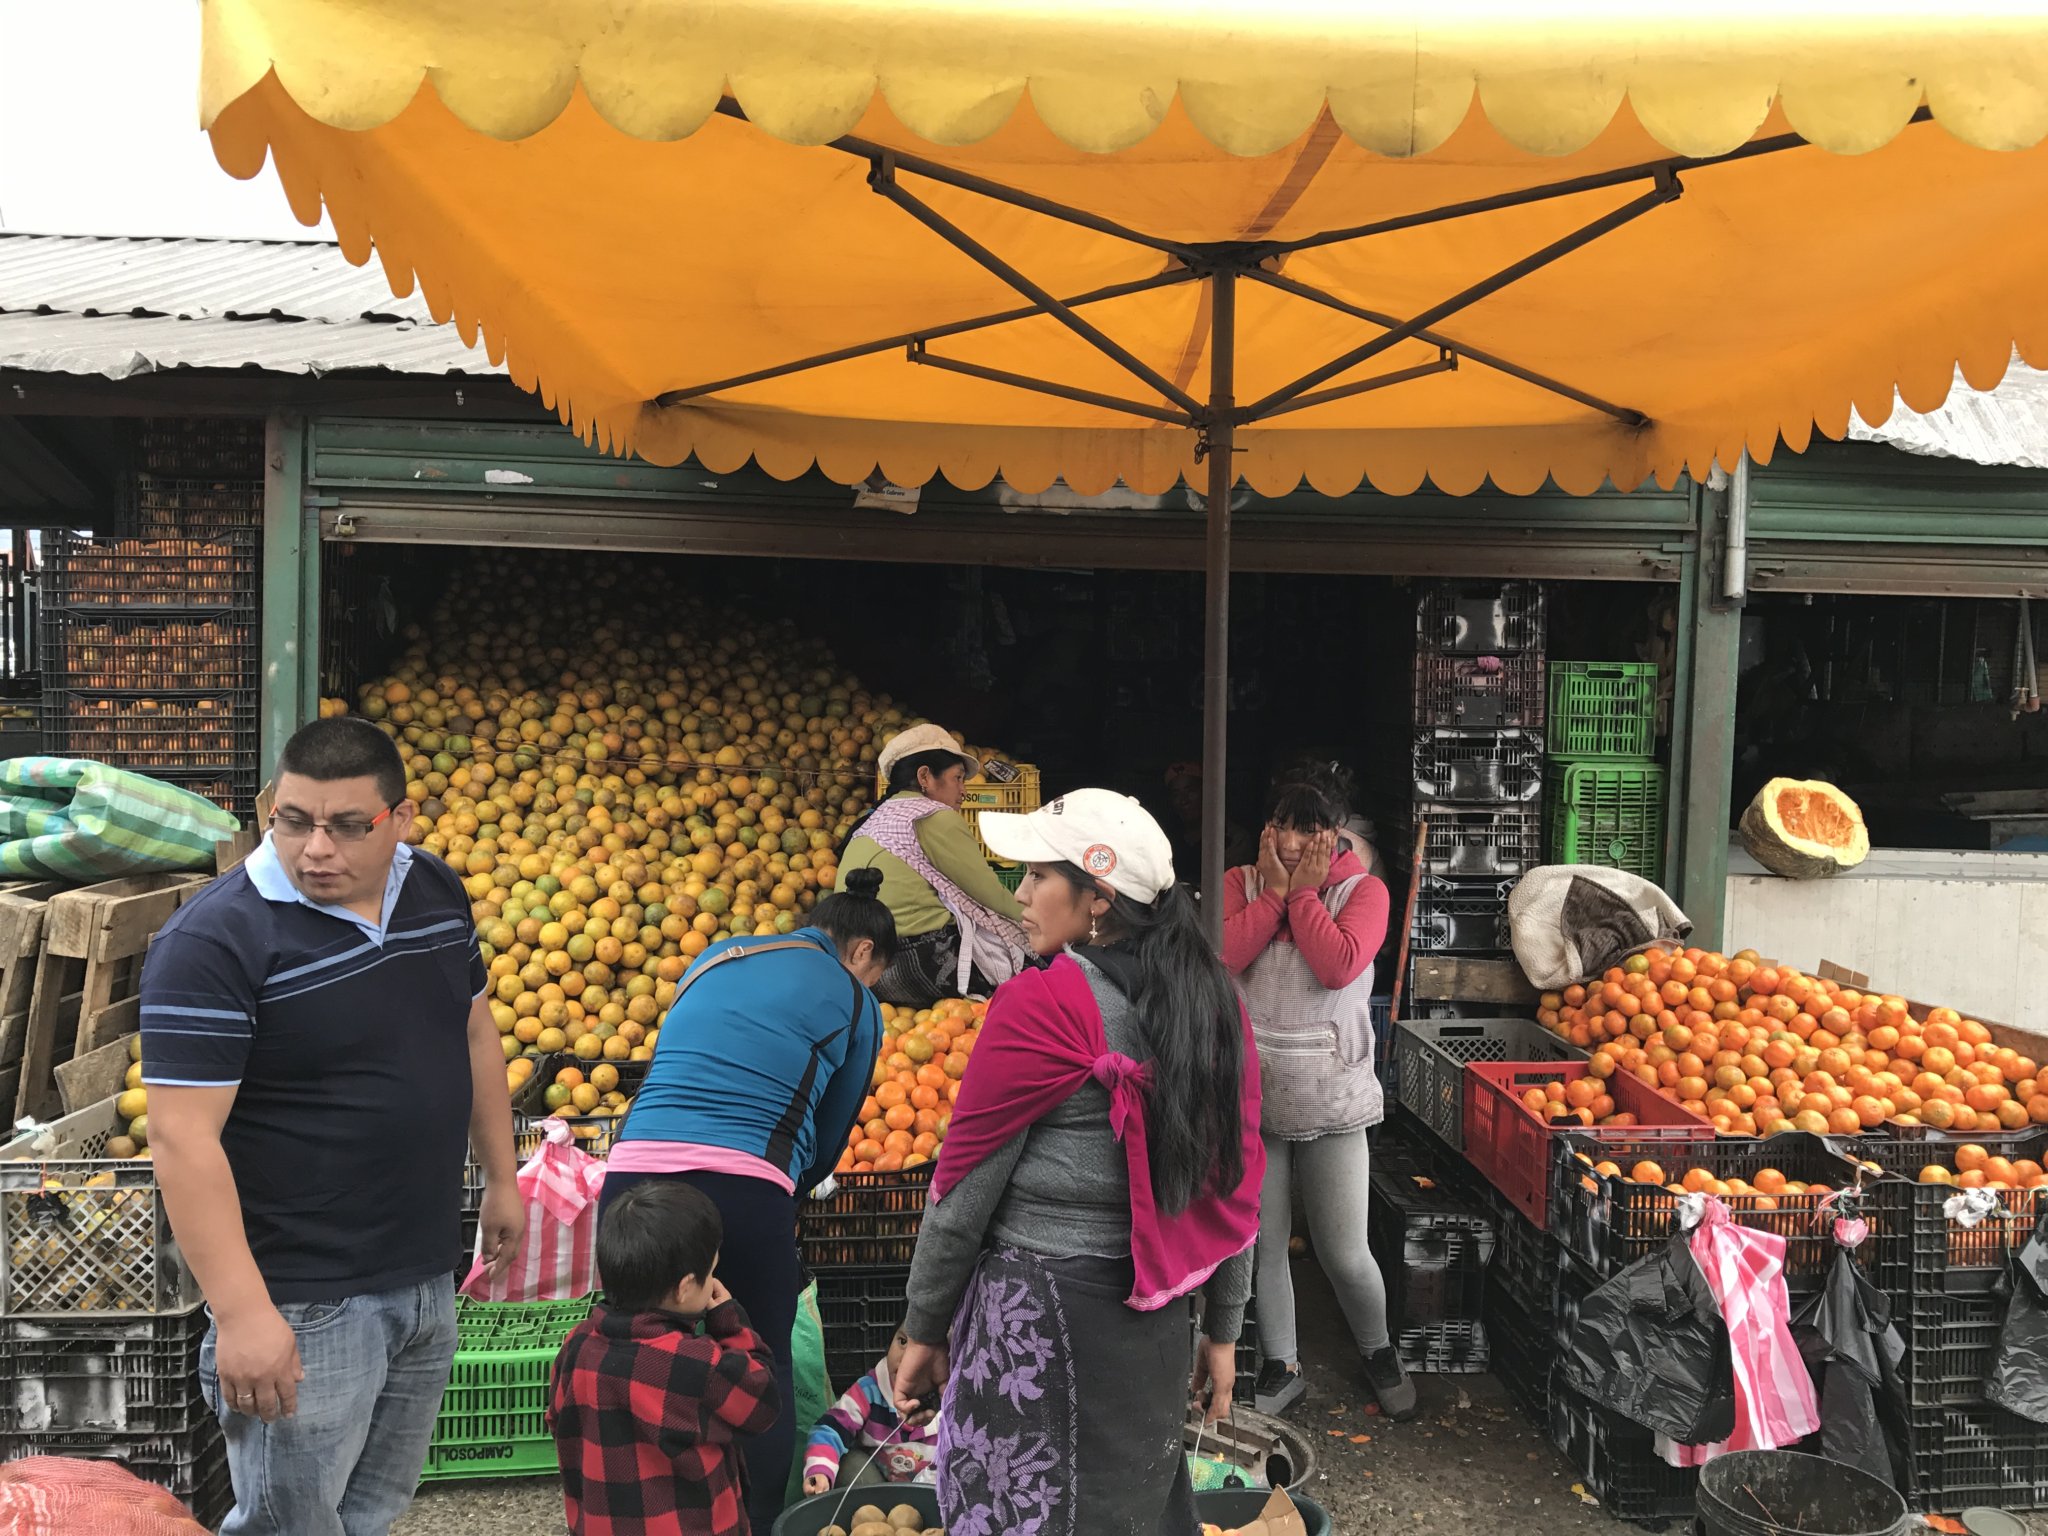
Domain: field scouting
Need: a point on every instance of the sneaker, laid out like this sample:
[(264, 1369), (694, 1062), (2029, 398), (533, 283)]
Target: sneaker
[(1278, 1388), (1390, 1384)]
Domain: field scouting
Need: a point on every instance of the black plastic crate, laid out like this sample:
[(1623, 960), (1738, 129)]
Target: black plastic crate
[(1479, 618), (1461, 917), (210, 446), (1618, 1461), (1478, 842), (1607, 1223), (195, 505), (870, 1222), (594, 1133), (101, 654), (126, 1375), (1940, 1255), (142, 575), (1479, 693), (1432, 1055), (233, 791), (861, 1309), (1444, 1349), (207, 734), (192, 1465), (1570, 1285), (1433, 1248), (1525, 1257), (1519, 1347), (1951, 1343), (1477, 767), (1976, 1455)]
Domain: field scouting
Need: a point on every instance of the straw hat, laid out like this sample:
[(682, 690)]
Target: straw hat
[(922, 738)]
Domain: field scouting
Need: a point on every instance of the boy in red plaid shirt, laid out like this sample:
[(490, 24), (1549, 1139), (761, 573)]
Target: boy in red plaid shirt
[(644, 1408)]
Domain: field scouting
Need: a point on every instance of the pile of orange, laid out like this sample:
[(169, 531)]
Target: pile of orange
[(1583, 1100), (1757, 1048), (1767, 1190), (923, 1058), (1976, 1168)]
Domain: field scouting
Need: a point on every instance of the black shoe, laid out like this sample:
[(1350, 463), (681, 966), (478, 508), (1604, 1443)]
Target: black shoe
[(1278, 1388), (1390, 1384)]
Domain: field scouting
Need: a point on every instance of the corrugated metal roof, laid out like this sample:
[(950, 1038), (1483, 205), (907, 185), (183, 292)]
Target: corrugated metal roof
[(2007, 425), (118, 306)]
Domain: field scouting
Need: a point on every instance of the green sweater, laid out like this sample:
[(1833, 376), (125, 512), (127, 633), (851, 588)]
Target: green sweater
[(948, 841)]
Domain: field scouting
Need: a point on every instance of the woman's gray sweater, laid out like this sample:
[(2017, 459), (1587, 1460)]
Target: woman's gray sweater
[(1058, 1188)]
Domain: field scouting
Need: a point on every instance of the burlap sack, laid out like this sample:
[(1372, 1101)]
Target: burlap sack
[(1570, 922)]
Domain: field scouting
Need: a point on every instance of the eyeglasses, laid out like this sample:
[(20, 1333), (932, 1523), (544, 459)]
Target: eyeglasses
[(290, 824)]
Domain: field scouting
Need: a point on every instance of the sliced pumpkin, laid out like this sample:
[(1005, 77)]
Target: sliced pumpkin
[(1804, 829)]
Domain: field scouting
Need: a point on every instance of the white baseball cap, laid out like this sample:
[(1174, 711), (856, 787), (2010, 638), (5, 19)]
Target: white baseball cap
[(1109, 836), (922, 738)]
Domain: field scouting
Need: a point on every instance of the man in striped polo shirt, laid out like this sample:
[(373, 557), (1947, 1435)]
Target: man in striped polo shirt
[(318, 1050)]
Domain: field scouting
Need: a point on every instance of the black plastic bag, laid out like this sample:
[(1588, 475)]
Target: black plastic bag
[(1651, 1346), (1846, 1337), (2019, 1371)]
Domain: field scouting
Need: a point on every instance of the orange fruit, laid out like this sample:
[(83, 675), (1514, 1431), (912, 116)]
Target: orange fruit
[(1769, 1181), (1971, 1156), (1647, 1172), (1696, 1180)]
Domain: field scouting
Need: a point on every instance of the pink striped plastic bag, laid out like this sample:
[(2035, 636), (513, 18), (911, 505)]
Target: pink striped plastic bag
[(1775, 1404), (557, 1258)]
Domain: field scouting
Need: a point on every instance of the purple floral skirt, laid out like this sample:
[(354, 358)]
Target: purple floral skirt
[(1063, 1410)]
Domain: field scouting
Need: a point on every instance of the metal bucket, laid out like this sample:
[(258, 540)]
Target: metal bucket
[(1786, 1493)]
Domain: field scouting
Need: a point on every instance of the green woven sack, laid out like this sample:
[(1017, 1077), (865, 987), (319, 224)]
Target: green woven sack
[(66, 818)]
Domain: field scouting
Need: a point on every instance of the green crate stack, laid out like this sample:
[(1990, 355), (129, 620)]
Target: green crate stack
[(493, 1415), (1605, 786)]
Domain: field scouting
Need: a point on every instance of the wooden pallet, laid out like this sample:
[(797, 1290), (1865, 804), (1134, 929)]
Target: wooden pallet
[(88, 976)]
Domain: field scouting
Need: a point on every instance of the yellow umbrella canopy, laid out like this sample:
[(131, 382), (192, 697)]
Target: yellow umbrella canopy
[(1459, 241)]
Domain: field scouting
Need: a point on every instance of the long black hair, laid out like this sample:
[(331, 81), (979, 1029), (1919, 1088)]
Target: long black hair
[(1191, 1023), (857, 913), (1311, 796)]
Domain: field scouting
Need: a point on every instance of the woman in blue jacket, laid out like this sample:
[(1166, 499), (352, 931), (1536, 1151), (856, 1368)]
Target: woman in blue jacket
[(765, 1056)]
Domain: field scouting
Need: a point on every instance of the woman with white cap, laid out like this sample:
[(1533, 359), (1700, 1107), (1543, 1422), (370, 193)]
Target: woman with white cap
[(1102, 1167), (956, 924)]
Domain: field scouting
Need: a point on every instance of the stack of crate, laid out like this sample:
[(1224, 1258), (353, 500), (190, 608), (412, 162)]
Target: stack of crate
[(149, 644), (1606, 788), (1476, 761)]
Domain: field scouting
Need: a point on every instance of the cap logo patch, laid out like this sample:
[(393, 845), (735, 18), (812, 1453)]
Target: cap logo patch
[(1099, 860)]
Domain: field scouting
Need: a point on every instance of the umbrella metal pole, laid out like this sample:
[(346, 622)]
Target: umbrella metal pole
[(1218, 443)]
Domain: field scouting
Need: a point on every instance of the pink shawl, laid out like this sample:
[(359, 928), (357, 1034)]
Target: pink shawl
[(1043, 1039)]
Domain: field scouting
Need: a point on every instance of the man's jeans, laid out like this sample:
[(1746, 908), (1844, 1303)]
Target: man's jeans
[(347, 1462)]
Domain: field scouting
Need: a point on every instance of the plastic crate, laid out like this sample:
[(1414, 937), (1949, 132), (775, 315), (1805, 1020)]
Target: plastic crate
[(1608, 813), (213, 733), (1526, 1258), (203, 446), (1433, 1249), (195, 504), (1519, 1348), (1937, 1254), (218, 573), (1479, 618), (193, 1466), (130, 1375), (102, 655), (1479, 842), (1608, 1223), (1479, 693), (1963, 1456), (1508, 1143), (1461, 917), (1011, 876), (595, 1134), (1382, 1010), (861, 1309), (1618, 1461), (1430, 1057), (1603, 708), (83, 1234), (493, 1414), (1951, 1342), (870, 1222), (1477, 767)]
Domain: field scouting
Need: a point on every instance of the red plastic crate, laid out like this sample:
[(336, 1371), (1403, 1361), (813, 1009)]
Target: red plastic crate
[(1508, 1143)]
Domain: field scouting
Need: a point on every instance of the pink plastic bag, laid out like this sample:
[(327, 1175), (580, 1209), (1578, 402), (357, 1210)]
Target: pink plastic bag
[(557, 1258), (1774, 1398)]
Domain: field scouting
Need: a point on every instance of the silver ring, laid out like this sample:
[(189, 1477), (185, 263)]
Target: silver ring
[(245, 1397)]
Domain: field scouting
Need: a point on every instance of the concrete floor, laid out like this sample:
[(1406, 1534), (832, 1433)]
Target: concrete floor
[(1471, 1465)]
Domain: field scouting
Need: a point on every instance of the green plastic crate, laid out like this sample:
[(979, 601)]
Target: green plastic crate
[(1608, 813), (493, 1415), (1602, 709), (1012, 876)]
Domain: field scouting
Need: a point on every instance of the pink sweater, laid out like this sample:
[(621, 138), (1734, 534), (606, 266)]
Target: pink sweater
[(1337, 949)]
